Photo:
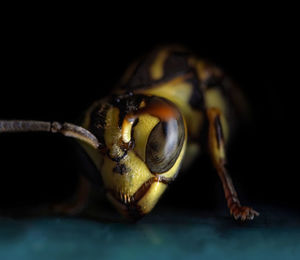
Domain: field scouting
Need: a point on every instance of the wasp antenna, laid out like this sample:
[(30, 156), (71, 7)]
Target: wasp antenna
[(66, 129)]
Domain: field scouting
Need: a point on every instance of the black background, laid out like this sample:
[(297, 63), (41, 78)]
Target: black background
[(53, 67)]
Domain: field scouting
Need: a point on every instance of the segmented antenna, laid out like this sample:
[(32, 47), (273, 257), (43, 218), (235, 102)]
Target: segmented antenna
[(66, 129)]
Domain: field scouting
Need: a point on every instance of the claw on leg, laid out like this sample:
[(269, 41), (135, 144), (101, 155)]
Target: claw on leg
[(242, 212)]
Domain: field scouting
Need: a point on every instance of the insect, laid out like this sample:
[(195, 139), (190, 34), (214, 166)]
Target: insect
[(168, 105)]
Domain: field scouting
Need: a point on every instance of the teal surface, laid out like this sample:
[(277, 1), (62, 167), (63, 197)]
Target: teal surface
[(162, 235)]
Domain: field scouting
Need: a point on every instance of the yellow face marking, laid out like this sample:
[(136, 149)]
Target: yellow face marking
[(113, 134), (129, 182), (141, 133), (157, 68), (149, 200), (112, 131)]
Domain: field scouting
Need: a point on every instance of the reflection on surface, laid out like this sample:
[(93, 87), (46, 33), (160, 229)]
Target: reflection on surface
[(162, 235)]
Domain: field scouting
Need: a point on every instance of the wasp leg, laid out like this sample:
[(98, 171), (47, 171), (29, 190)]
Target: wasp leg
[(217, 152), (78, 202)]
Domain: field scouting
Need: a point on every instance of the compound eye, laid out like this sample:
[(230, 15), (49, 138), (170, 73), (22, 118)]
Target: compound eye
[(164, 145)]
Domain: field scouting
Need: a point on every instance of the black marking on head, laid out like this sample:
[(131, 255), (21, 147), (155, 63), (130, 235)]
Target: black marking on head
[(127, 103), (120, 168), (219, 132), (116, 159)]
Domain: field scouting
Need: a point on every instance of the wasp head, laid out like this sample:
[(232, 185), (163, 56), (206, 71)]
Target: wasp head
[(144, 139)]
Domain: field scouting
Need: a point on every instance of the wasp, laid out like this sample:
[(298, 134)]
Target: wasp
[(168, 106)]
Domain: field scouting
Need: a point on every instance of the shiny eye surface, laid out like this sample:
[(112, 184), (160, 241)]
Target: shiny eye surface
[(164, 145)]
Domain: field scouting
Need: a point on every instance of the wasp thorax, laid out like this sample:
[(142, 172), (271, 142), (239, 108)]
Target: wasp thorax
[(144, 137)]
